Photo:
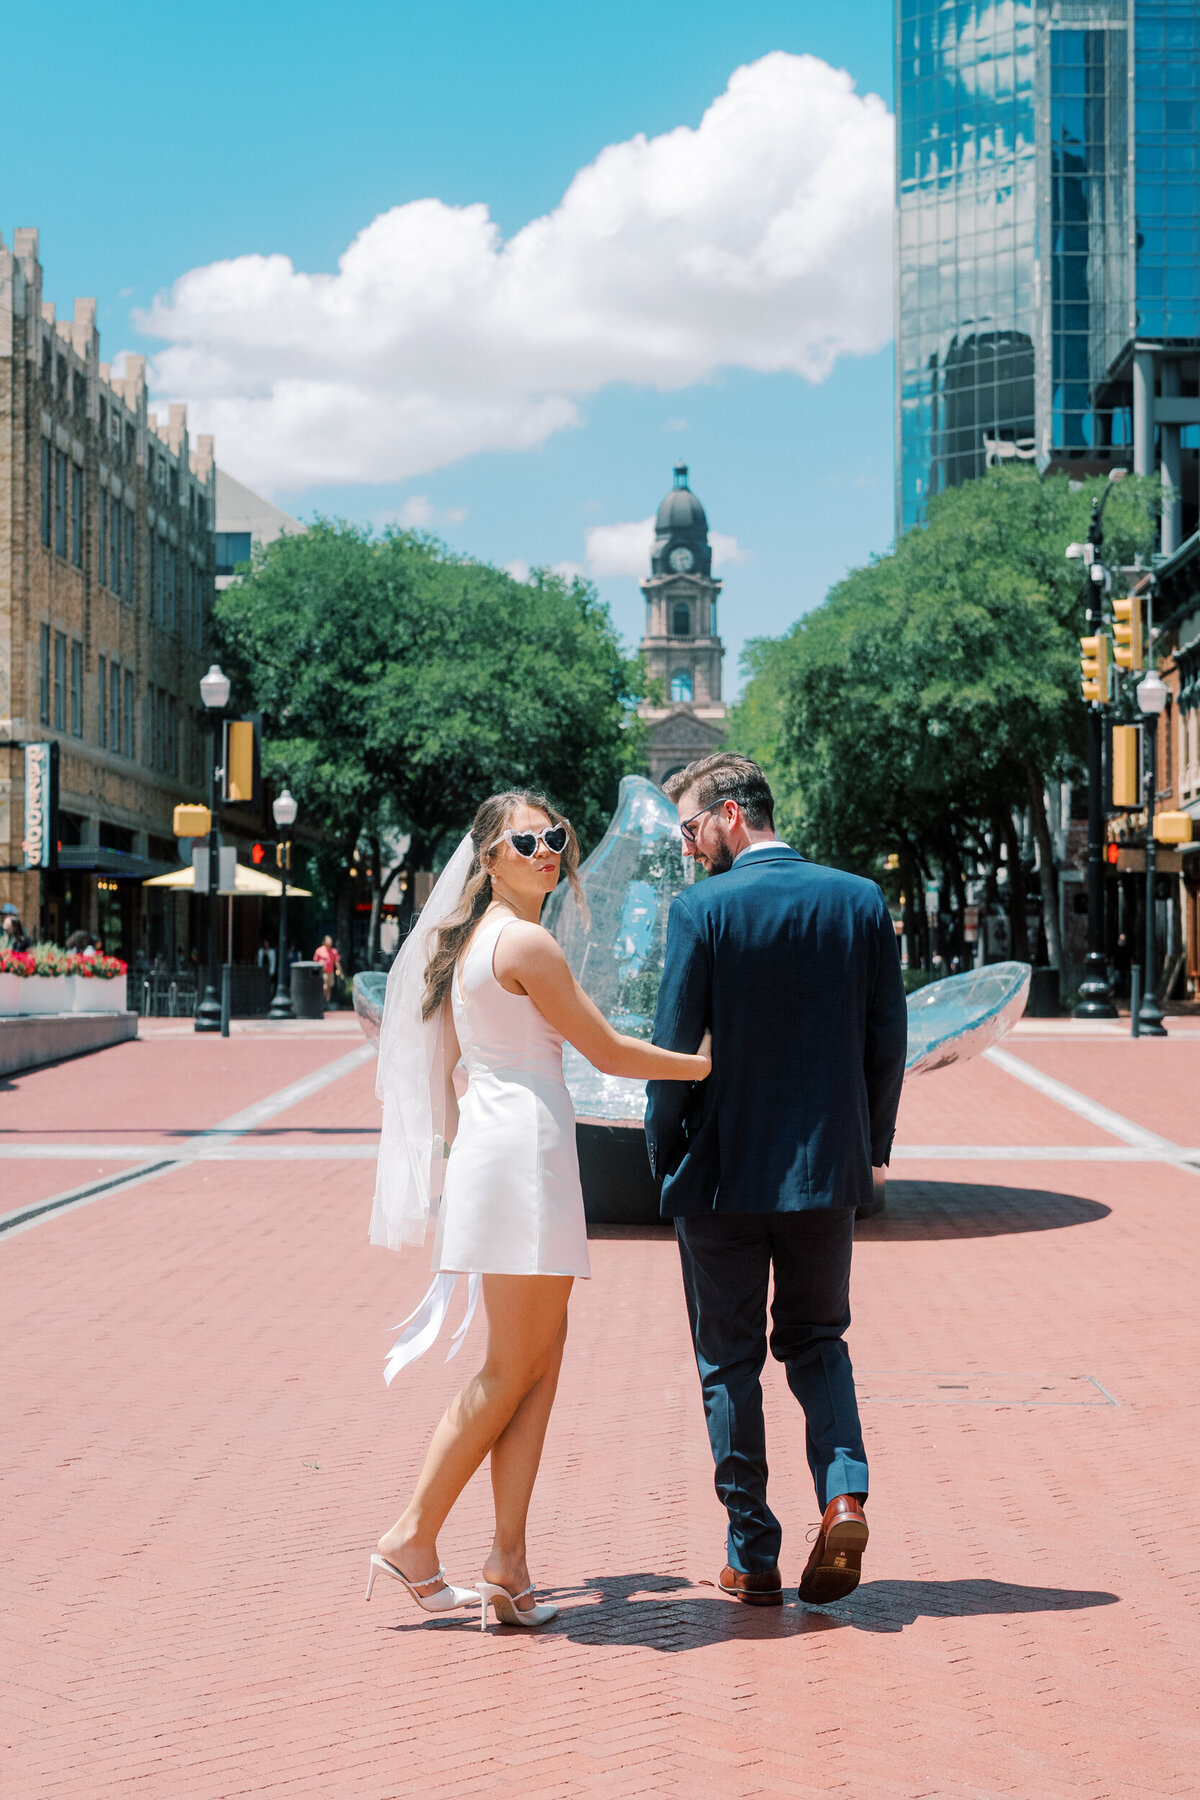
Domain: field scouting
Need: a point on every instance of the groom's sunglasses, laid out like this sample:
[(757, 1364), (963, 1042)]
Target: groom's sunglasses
[(525, 843)]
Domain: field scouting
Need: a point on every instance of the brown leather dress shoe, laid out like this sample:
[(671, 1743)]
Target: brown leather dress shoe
[(835, 1566), (763, 1589)]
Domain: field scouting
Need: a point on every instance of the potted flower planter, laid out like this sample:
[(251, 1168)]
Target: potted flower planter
[(94, 993), (46, 994), (10, 995)]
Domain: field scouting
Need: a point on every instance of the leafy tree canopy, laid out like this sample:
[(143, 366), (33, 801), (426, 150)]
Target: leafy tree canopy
[(400, 685), (937, 686)]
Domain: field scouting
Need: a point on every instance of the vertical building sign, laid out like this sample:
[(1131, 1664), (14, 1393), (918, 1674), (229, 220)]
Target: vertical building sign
[(41, 806)]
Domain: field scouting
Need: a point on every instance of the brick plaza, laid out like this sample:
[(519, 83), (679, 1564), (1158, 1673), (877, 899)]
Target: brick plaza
[(199, 1452)]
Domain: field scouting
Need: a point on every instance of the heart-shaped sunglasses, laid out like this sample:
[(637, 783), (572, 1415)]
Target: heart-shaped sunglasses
[(525, 843)]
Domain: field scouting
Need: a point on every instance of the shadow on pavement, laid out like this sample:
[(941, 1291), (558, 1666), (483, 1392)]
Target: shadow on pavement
[(668, 1614), (663, 1614), (944, 1209)]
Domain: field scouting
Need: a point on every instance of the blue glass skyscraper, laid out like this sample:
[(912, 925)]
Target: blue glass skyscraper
[(1048, 242)]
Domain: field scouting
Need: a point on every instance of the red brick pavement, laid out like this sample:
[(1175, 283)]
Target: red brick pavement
[(200, 1451)]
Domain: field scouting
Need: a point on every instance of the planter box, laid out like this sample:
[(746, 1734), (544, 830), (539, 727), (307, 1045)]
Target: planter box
[(95, 995), (10, 995), (46, 994)]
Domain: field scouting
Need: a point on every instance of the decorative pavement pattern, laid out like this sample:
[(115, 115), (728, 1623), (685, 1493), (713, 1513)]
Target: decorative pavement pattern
[(199, 1452)]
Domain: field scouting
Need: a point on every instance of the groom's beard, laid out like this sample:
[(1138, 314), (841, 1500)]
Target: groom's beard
[(720, 860)]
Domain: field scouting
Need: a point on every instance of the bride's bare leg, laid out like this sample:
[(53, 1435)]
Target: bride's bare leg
[(516, 1456), (525, 1320)]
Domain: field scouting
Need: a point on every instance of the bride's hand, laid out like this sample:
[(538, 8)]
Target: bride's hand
[(705, 1055)]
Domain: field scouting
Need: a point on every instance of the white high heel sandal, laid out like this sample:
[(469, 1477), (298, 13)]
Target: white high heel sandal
[(444, 1599), (507, 1611)]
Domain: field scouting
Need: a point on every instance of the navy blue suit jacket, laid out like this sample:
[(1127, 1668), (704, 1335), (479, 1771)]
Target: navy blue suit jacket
[(795, 969)]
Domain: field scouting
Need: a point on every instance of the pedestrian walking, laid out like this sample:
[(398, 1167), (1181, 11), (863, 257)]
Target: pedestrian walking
[(330, 963), (12, 933)]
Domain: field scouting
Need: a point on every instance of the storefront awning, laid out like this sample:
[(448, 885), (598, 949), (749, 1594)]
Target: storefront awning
[(121, 865), (247, 881)]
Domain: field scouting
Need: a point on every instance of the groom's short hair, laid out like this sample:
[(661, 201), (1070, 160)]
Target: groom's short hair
[(727, 776)]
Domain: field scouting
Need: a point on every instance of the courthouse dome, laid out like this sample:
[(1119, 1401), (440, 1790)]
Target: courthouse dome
[(681, 514)]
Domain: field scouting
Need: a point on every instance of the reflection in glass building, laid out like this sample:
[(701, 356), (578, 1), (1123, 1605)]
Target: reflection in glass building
[(1048, 242)]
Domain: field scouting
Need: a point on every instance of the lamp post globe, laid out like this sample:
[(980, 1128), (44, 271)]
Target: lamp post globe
[(214, 691), (1152, 697), (283, 810)]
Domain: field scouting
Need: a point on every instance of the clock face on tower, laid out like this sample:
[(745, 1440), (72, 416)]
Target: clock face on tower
[(681, 559)]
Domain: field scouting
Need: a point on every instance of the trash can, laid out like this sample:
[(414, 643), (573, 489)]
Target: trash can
[(308, 996), (1043, 1001)]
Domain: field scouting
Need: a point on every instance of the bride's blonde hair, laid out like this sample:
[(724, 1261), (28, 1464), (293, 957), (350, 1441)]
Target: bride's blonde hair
[(491, 819)]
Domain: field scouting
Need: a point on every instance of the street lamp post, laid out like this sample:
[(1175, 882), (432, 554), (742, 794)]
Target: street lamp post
[(1095, 1001), (214, 691), (1151, 698), (284, 809)]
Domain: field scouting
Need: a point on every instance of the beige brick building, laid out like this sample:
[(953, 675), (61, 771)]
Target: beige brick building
[(107, 567)]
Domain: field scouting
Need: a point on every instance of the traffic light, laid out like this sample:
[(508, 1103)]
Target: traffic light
[(257, 854), (283, 854), (1126, 787), (1128, 635), (1094, 667)]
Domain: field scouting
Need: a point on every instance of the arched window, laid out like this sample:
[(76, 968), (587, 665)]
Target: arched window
[(681, 684), (681, 620)]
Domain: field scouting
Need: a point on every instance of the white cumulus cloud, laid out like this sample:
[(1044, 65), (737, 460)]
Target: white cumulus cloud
[(624, 549), (760, 239)]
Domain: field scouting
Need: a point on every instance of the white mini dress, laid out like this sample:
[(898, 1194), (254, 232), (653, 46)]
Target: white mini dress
[(511, 1202)]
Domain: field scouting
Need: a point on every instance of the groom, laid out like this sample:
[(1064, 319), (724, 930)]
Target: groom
[(795, 970)]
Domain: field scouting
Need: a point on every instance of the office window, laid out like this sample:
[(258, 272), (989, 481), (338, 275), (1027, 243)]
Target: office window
[(127, 718), (681, 621), (60, 681), (172, 735), (45, 700), (102, 541), (681, 685), (114, 546), (102, 699), (61, 371), (47, 500), (130, 443), (233, 547), (76, 688), (158, 606), (79, 394), (77, 516), (114, 708), (60, 503), (129, 554), (103, 417), (172, 583)]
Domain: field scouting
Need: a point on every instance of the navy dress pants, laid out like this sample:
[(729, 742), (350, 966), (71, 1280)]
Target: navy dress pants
[(727, 1261)]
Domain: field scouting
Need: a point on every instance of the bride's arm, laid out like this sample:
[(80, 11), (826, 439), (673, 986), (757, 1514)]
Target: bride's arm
[(527, 960), (451, 1053)]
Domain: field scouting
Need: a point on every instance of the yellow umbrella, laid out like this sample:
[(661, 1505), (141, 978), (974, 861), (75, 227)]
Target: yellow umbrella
[(246, 881)]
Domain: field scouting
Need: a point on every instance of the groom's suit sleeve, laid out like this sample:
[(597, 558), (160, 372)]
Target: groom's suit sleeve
[(887, 1041), (682, 1016)]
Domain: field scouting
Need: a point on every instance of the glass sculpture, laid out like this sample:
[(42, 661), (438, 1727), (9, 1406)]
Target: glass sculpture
[(629, 882)]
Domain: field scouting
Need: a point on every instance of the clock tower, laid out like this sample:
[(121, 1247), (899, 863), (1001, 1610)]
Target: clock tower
[(681, 646)]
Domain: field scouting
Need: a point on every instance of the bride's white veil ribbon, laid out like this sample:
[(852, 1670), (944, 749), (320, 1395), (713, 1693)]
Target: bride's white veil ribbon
[(411, 1078)]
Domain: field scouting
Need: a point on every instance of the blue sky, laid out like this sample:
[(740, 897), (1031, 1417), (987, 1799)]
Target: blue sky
[(172, 138)]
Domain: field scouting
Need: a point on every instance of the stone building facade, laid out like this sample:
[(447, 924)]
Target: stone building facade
[(681, 645), (107, 565)]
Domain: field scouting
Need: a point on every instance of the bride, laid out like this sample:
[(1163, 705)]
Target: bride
[(481, 982)]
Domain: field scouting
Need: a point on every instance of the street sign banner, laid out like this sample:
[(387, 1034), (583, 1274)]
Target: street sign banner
[(40, 843)]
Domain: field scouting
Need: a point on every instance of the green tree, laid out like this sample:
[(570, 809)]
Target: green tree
[(400, 684), (935, 691)]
